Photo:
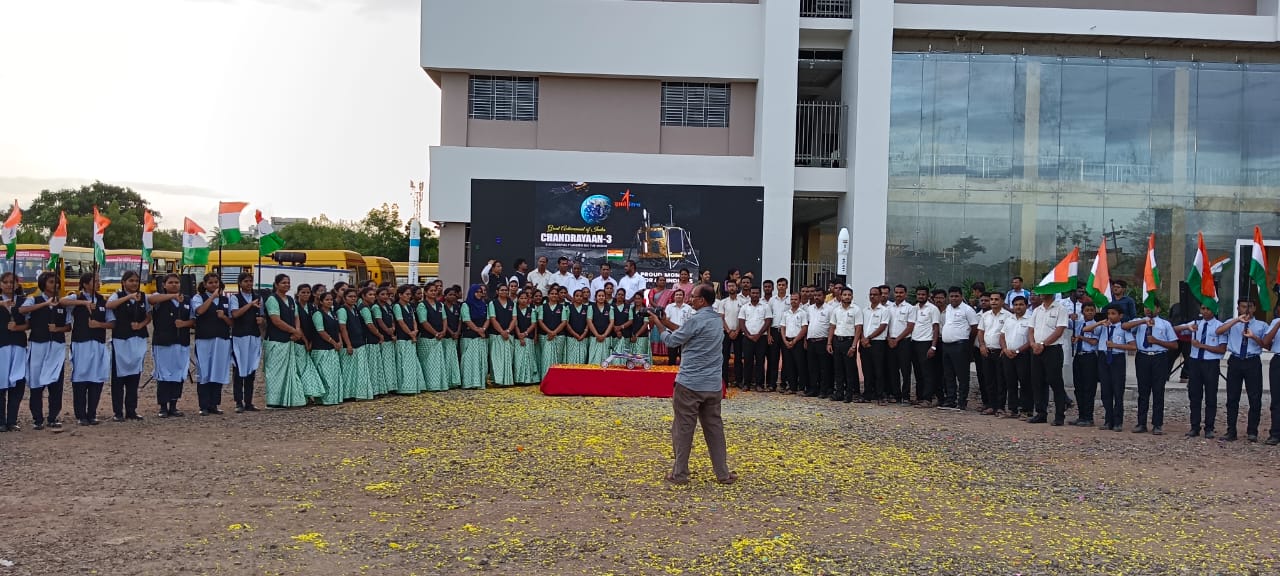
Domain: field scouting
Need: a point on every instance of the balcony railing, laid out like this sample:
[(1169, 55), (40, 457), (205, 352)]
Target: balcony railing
[(826, 8), (820, 128)]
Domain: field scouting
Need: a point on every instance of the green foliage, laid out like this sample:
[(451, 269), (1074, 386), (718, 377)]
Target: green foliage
[(380, 233), (121, 205)]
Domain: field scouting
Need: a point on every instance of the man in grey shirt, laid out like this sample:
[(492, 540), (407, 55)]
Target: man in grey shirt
[(699, 385)]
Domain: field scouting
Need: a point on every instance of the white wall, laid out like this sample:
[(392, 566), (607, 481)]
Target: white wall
[(453, 168), (594, 37), (1085, 22)]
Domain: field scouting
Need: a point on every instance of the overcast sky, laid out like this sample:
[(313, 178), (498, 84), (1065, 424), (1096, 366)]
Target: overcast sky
[(300, 107)]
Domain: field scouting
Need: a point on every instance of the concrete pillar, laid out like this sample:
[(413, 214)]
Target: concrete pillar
[(453, 253), (1029, 201), (1178, 259), (776, 133), (864, 208)]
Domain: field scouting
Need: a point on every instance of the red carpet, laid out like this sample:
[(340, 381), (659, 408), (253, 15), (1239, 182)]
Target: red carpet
[(587, 380)]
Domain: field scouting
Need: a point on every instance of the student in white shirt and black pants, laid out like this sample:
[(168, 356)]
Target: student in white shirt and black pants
[(875, 349), (924, 345), (842, 344), (755, 320), (817, 360), (959, 323)]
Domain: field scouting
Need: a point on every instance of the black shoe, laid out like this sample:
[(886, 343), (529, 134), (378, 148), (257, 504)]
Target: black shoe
[(82, 422), (163, 414), (94, 422), (1251, 437), (239, 409), (215, 411), (1117, 428), (1140, 429), (117, 418), (1272, 441), (41, 427), (1105, 427), (134, 417), (1056, 423), (1192, 434), (176, 413), (13, 428), (204, 412), (1157, 431), (1038, 420), (1230, 437), (250, 408), (1208, 434), (55, 424)]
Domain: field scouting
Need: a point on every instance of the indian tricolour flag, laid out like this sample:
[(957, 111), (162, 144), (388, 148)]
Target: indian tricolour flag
[(10, 232), (195, 248), (1150, 275), (148, 235), (229, 221), (1099, 285), (100, 224), (1063, 276), (58, 241), (1201, 277), (1258, 269), (268, 240)]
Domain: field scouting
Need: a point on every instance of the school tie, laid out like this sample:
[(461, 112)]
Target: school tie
[(1244, 342), (1204, 333), (1110, 332)]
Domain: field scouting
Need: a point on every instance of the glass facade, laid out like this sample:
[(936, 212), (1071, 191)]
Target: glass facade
[(1000, 164)]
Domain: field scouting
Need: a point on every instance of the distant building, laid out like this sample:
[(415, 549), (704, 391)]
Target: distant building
[(279, 222)]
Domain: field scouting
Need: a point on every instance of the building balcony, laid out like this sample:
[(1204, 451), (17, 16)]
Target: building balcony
[(820, 134), (826, 8)]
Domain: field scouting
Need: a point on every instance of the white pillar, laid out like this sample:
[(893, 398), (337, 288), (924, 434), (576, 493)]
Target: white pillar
[(776, 133), (864, 209)]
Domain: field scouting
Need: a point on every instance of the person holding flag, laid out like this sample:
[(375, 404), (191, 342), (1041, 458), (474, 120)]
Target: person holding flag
[(90, 359), (48, 321), (130, 315), (1207, 348), (247, 320), (1154, 337), (13, 351), (1048, 323)]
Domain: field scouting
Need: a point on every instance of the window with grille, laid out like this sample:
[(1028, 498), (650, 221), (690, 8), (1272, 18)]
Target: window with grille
[(695, 104), (503, 98)]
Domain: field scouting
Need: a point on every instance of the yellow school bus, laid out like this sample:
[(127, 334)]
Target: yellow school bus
[(76, 261), (427, 271), (165, 262), (120, 261), (380, 270), (231, 263), (29, 261)]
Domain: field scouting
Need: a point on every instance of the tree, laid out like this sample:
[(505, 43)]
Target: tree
[(380, 233), (121, 205), (966, 248)]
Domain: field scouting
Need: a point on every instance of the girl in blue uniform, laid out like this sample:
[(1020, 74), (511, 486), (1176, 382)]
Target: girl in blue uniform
[(502, 325), (127, 310), (245, 308), (48, 321), (600, 323), (170, 344), (13, 352), (213, 343), (90, 360)]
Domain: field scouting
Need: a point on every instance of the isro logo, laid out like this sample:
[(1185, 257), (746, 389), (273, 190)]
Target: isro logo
[(626, 202)]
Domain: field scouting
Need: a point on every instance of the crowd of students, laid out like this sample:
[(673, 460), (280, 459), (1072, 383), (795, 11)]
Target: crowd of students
[(327, 346)]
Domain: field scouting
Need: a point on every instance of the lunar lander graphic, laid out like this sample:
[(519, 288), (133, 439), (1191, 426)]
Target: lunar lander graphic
[(669, 243)]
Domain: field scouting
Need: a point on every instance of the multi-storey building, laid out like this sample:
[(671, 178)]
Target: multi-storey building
[(955, 139)]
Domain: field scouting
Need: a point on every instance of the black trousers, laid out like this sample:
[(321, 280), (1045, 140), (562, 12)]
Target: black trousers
[(1046, 368), (754, 352), (242, 387), (939, 371), (84, 399), (124, 395), (772, 356), (1084, 371), (899, 368), (1184, 350), (1018, 381), (875, 364), (1111, 376), (55, 402), (847, 385), (167, 395), (992, 385), (955, 373), (922, 365), (794, 375), (1275, 398), (673, 355), (980, 371), (1202, 391), (732, 347), (818, 365), (1152, 374), (11, 402), (209, 395), (1246, 371)]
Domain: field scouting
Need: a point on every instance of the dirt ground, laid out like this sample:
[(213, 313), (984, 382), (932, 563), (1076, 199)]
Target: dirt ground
[(508, 481)]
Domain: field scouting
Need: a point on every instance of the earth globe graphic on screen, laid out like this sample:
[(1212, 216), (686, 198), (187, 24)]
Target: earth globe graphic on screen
[(595, 209)]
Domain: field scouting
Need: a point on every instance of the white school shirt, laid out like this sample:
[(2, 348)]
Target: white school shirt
[(632, 284), (957, 321), (1046, 320), (540, 280), (819, 320), (793, 321), (678, 315), (992, 325), (846, 320), (754, 315), (575, 283), (925, 317), (1275, 344), (778, 305), (1015, 331), (875, 317), (598, 283), (899, 316), (728, 309)]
